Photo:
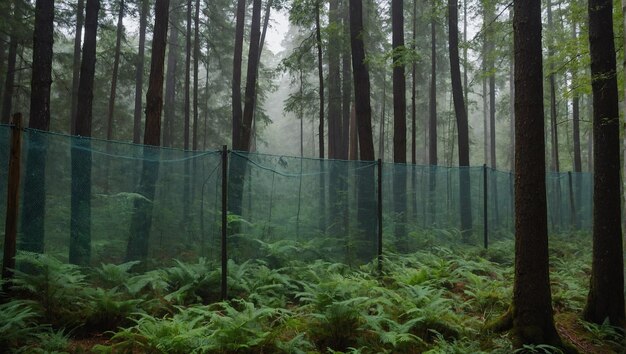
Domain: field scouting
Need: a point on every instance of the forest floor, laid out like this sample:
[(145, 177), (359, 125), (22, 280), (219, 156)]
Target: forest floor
[(436, 300)]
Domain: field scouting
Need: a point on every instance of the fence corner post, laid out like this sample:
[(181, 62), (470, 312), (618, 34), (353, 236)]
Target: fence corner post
[(224, 246), (13, 186), (379, 252)]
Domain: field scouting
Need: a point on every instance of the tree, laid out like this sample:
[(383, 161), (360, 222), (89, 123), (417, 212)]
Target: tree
[(461, 121), (187, 86), (170, 82), (7, 94), (196, 62), (80, 235), (80, 18), (143, 22), (530, 315), (141, 219), (116, 65), (236, 81), (34, 181), (606, 291), (399, 119), (432, 106), (363, 111)]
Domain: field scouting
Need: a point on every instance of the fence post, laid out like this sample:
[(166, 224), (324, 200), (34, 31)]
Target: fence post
[(572, 206), (485, 216), (13, 186), (380, 216), (224, 222)]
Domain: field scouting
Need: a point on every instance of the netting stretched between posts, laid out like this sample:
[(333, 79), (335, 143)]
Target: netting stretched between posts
[(281, 207)]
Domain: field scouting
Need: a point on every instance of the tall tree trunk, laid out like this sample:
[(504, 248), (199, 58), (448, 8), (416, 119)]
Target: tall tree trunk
[(251, 77), (346, 83), (432, 105), (365, 181), (381, 132), (116, 65), (320, 74), (34, 184), (414, 91), (141, 219), (266, 21), (399, 122), (80, 236), (170, 81), (9, 83), (530, 315), (143, 22), (187, 78), (576, 114), (196, 62), (606, 291), (512, 102), (236, 83), (334, 82), (554, 137), (461, 121), (80, 13)]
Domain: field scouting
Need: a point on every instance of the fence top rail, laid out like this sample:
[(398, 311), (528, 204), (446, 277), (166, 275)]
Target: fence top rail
[(249, 155)]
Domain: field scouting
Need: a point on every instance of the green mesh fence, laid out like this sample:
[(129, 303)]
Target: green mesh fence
[(130, 202)]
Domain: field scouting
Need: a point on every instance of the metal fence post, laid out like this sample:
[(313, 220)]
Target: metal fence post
[(13, 186), (380, 216), (485, 215), (572, 206), (224, 222)]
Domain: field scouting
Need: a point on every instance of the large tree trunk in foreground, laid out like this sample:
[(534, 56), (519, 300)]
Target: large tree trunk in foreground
[(141, 219), (461, 121), (169, 110), (606, 292), (80, 239), (34, 180), (530, 315)]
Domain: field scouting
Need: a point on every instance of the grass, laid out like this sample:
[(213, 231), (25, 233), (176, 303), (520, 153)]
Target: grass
[(434, 300)]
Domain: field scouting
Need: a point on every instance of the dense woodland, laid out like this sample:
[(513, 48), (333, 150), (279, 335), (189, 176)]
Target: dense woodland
[(527, 86)]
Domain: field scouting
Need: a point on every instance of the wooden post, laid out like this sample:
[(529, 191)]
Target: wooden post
[(10, 228), (224, 222), (380, 216)]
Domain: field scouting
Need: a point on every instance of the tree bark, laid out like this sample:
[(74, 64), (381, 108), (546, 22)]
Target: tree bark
[(461, 120), (606, 291), (80, 12), (80, 236), (187, 78), (143, 22), (335, 127), (414, 91), (141, 219), (432, 103), (236, 83), (9, 83), (251, 77), (170, 83), (365, 180), (399, 122), (116, 65), (34, 181), (531, 311), (346, 84), (196, 62)]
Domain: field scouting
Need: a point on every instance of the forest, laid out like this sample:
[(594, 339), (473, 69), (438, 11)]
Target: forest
[(312, 176)]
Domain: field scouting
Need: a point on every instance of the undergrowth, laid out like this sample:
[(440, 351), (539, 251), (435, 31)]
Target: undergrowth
[(434, 300)]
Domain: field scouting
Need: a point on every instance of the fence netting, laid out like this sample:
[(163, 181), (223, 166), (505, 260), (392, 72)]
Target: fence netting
[(90, 201)]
